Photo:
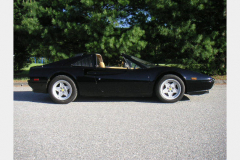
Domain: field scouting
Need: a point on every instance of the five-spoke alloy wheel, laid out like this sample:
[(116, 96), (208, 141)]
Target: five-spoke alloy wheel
[(170, 88), (62, 89)]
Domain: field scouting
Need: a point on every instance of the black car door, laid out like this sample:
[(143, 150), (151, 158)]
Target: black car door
[(86, 80), (122, 82)]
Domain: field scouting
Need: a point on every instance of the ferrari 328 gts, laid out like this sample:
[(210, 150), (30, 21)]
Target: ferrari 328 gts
[(87, 75)]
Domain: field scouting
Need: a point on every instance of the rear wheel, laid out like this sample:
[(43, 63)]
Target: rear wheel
[(170, 88), (62, 89)]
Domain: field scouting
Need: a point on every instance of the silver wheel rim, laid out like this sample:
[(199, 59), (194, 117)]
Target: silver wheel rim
[(62, 90), (170, 89)]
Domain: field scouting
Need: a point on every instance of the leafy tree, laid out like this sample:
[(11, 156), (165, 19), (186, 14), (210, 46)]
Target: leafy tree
[(173, 31), (20, 37), (187, 32), (64, 28)]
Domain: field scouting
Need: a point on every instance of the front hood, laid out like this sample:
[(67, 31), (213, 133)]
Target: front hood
[(188, 75)]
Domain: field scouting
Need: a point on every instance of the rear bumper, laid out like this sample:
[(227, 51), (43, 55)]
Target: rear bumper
[(38, 87)]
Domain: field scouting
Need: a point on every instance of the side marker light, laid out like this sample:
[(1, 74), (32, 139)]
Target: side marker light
[(194, 78)]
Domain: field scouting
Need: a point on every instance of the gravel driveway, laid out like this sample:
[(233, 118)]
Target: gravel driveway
[(119, 128)]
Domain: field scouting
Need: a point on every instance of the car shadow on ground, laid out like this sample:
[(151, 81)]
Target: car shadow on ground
[(32, 97), (122, 99), (45, 98)]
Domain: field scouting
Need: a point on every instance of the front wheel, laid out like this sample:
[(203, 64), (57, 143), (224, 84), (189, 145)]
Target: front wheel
[(62, 89), (170, 89)]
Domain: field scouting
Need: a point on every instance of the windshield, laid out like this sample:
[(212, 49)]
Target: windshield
[(145, 63)]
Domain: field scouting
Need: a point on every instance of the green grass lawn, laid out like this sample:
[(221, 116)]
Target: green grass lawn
[(23, 74), (173, 65), (218, 77)]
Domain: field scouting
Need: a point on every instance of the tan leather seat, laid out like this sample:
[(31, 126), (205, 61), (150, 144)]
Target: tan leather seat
[(101, 64)]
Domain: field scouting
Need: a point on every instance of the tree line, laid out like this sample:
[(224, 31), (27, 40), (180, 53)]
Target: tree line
[(190, 33)]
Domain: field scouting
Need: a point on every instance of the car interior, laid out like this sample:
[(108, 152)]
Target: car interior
[(124, 65)]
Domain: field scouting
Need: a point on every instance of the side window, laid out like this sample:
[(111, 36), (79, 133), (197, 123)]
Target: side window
[(130, 65), (85, 62)]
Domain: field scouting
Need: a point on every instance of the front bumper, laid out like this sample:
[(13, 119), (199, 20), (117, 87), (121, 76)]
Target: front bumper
[(199, 85)]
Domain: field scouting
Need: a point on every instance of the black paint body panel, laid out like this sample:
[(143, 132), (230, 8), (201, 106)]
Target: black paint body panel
[(94, 81)]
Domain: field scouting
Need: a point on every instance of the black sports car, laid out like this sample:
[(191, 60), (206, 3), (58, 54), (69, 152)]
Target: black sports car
[(87, 75)]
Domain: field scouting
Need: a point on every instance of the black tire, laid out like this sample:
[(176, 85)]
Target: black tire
[(170, 88), (62, 89)]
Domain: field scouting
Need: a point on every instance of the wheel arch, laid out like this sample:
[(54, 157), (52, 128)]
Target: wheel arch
[(173, 73), (65, 74)]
